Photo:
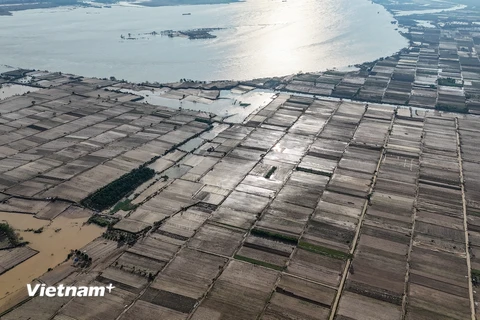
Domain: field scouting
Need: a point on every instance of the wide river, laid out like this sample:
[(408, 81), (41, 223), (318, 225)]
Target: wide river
[(261, 38)]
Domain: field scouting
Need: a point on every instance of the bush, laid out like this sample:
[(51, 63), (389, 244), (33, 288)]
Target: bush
[(449, 82), (449, 108), (101, 221), (270, 172), (125, 205), (324, 251), (9, 232)]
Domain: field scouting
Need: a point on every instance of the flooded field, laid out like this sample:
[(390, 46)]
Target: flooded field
[(290, 200), (412, 12), (10, 90), (54, 243), (236, 107)]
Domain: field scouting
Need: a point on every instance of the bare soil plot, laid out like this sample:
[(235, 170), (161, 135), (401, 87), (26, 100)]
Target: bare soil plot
[(156, 247), (285, 307), (184, 224), (41, 308), (317, 267), (240, 292), (52, 210), (378, 269), (270, 252), (148, 311), (350, 182), (187, 279), (285, 217), (9, 258), (123, 279), (327, 149), (23, 205), (433, 302), (88, 308), (217, 239), (355, 306)]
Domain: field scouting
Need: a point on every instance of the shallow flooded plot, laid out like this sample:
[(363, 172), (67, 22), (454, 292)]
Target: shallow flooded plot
[(235, 107), (10, 90), (217, 239)]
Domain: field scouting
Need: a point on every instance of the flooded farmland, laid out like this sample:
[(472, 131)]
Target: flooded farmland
[(297, 198), (10, 90), (53, 244)]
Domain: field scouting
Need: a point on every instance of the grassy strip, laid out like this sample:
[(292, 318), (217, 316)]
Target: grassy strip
[(207, 121), (116, 190), (475, 276), (449, 108), (476, 273), (102, 221), (270, 172), (332, 253), (449, 82), (274, 236), (259, 263), (321, 173), (125, 205)]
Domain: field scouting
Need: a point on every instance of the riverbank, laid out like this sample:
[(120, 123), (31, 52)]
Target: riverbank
[(439, 69), (259, 38)]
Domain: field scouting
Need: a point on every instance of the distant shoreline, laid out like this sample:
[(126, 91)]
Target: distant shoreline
[(8, 9)]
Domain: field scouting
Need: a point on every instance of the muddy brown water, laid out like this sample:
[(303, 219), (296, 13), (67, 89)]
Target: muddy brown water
[(54, 243)]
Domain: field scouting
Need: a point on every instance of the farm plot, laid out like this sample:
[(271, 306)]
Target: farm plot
[(185, 281), (240, 292), (299, 298), (9, 258)]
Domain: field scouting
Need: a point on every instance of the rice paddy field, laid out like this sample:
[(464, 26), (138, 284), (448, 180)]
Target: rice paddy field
[(308, 209)]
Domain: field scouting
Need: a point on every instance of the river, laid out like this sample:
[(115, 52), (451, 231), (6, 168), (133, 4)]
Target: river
[(261, 38)]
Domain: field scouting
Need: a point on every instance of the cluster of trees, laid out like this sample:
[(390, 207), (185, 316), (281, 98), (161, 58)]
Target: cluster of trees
[(194, 81), (142, 272), (449, 82), (6, 231), (121, 237), (115, 191), (81, 259), (102, 220)]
